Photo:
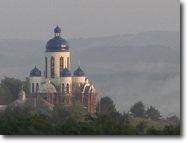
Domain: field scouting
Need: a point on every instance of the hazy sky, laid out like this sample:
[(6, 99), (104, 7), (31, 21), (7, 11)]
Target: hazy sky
[(35, 19)]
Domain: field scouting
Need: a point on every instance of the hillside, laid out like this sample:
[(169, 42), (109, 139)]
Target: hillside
[(128, 68)]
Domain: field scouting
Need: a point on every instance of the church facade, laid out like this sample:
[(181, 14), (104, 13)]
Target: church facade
[(57, 84)]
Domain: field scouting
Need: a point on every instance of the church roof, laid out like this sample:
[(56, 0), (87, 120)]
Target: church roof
[(42, 104), (48, 87), (35, 72), (57, 44), (79, 72), (65, 73)]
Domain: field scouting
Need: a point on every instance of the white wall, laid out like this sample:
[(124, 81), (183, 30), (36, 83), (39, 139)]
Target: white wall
[(56, 56), (35, 80), (65, 81), (77, 80)]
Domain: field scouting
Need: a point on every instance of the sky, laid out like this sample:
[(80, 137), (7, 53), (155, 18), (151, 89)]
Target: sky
[(35, 19)]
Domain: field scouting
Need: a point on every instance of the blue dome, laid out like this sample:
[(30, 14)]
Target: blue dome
[(79, 72), (57, 44), (57, 30), (35, 72), (65, 73)]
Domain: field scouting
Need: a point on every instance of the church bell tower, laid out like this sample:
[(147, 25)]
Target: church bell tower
[(57, 55)]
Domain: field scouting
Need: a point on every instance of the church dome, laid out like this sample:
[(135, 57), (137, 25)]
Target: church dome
[(35, 72), (65, 73), (79, 72), (57, 30), (57, 44)]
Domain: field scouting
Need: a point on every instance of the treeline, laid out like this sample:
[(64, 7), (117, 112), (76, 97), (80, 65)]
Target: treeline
[(75, 120)]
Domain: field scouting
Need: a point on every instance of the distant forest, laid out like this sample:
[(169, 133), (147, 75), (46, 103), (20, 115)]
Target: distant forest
[(74, 120)]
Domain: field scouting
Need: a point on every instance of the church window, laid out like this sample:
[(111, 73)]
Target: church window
[(52, 67), (61, 63), (67, 88), (33, 90), (46, 67), (37, 87), (68, 63), (63, 88)]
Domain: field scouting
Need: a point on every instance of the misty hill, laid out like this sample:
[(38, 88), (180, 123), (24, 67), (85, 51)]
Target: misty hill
[(128, 68)]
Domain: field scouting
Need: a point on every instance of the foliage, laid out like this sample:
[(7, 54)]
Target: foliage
[(74, 120), (138, 109), (22, 120), (106, 105), (154, 131), (153, 113), (167, 130), (66, 120), (62, 114)]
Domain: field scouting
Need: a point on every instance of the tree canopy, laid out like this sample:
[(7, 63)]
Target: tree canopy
[(153, 113), (75, 120), (138, 109), (65, 120), (106, 105)]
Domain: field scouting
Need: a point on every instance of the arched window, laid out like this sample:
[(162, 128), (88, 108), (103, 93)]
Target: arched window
[(68, 63), (37, 87), (67, 88), (61, 62), (46, 67), (63, 87), (33, 88), (52, 67)]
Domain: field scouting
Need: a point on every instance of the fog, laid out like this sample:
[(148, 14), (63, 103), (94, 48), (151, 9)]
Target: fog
[(128, 68)]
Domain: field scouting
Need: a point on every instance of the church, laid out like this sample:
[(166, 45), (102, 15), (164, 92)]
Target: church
[(57, 84)]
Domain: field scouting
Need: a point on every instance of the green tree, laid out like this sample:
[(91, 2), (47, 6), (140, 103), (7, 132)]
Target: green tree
[(106, 106), (77, 112), (59, 115), (153, 113), (21, 121), (62, 113), (138, 109)]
